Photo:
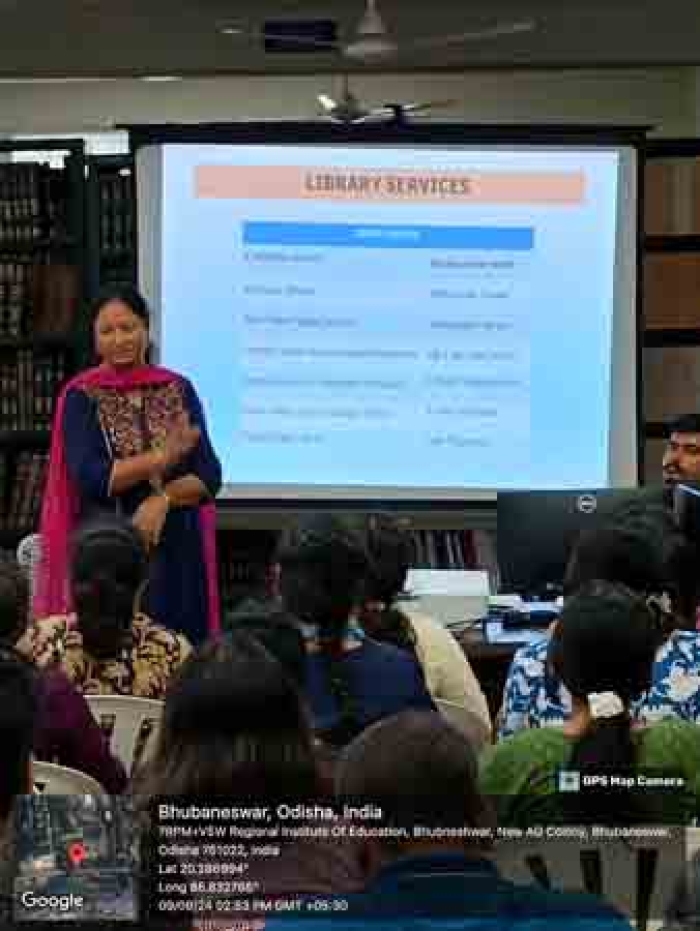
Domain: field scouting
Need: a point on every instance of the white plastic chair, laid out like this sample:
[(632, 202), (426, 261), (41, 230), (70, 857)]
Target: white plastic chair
[(465, 721), (130, 724), (51, 779)]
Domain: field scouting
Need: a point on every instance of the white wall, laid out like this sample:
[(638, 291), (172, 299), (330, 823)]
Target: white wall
[(663, 98)]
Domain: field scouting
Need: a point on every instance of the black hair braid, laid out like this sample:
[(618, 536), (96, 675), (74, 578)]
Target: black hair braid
[(109, 564)]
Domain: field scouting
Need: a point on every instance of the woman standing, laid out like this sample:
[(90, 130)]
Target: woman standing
[(130, 438)]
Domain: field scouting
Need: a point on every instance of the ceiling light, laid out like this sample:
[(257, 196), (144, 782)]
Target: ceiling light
[(230, 30), (160, 78)]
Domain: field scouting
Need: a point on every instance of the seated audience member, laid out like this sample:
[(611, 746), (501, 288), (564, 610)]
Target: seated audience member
[(234, 726), (66, 732), (108, 647), (603, 650), (19, 713), (651, 559), (681, 462), (447, 672), (351, 679), (421, 771)]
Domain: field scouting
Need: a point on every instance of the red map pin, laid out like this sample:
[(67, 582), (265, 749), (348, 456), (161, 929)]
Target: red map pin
[(76, 853)]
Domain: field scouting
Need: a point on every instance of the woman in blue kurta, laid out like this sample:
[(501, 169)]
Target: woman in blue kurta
[(131, 438)]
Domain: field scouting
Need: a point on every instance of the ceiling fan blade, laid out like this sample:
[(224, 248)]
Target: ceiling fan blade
[(497, 31), (260, 35)]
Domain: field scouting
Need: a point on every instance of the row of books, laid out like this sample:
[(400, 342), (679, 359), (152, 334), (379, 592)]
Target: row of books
[(29, 383), (21, 488), (37, 299), (117, 216), (15, 295), (457, 549), (444, 549), (32, 207)]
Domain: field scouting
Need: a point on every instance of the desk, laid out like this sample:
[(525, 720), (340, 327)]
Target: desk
[(490, 661)]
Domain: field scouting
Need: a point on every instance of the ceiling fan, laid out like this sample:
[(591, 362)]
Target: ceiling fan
[(348, 109), (372, 40)]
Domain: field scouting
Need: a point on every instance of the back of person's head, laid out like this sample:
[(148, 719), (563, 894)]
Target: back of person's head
[(279, 632), (324, 570), (109, 567), (19, 708), (603, 651), (641, 548), (614, 552), (14, 601), (418, 769), (233, 725), (392, 553)]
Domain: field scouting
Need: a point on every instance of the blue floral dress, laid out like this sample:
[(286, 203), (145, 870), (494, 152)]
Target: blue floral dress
[(533, 697)]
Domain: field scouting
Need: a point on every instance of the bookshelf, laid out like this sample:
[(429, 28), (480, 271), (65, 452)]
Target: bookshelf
[(671, 289), (111, 207), (447, 538), (43, 276)]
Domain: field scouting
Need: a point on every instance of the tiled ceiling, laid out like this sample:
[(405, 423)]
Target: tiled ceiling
[(65, 38)]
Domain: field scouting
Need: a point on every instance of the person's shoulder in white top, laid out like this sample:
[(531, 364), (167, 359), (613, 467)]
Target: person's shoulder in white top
[(448, 675)]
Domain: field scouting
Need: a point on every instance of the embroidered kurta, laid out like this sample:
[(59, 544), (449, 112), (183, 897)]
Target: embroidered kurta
[(102, 425)]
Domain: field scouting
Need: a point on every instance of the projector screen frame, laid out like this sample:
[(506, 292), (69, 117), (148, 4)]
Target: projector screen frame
[(435, 134)]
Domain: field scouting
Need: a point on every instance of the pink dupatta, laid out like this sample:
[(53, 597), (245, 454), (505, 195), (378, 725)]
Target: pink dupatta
[(61, 503)]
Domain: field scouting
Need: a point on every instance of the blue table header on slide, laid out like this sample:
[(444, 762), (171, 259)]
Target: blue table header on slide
[(377, 236)]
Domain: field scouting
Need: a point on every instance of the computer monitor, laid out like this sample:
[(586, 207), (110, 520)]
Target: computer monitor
[(536, 531), (686, 509)]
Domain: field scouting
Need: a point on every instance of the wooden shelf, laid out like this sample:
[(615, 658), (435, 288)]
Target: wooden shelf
[(18, 439), (671, 148), (37, 342), (670, 339), (655, 430), (36, 247), (676, 242)]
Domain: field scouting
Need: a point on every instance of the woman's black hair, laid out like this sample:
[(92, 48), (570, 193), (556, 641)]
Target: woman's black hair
[(392, 553), (640, 547), (19, 714), (234, 725), (14, 601), (605, 641), (126, 294), (277, 631), (108, 566), (324, 570)]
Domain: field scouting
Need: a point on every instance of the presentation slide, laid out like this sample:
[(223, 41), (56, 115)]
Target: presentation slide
[(397, 322)]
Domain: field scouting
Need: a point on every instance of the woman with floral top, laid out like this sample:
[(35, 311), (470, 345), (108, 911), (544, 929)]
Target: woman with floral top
[(107, 647)]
